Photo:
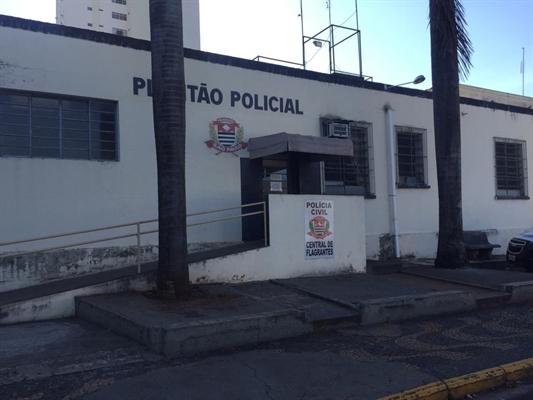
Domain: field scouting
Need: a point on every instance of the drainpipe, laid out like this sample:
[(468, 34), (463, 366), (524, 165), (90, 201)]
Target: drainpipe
[(392, 169)]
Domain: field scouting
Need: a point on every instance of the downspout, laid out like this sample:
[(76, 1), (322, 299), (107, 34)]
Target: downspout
[(392, 170)]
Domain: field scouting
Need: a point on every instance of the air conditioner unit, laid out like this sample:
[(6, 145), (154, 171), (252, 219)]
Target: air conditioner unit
[(338, 130)]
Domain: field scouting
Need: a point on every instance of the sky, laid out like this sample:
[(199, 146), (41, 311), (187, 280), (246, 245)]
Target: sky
[(395, 42)]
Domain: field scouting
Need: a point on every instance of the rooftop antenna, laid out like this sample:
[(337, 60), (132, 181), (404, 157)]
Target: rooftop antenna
[(523, 69), (358, 39), (303, 36)]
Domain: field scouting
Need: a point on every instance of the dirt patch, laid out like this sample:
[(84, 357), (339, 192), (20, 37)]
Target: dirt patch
[(194, 298)]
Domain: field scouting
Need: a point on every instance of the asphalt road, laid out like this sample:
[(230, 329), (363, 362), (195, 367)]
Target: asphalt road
[(345, 363)]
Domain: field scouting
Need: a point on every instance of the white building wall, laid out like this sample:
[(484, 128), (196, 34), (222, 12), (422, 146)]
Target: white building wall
[(46, 196), (75, 13), (482, 211)]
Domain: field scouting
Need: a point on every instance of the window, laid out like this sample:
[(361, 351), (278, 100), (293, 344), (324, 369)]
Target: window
[(411, 157), (89, 8), (119, 1), (89, 24), (57, 127), (120, 32), (510, 166), (352, 175), (116, 15)]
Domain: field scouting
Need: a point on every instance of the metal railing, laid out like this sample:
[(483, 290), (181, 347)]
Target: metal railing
[(291, 63), (139, 232)]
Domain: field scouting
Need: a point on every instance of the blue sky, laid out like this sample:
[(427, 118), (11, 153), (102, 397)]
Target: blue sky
[(394, 35)]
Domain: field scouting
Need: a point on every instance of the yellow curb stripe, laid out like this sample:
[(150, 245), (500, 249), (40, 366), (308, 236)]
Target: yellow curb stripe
[(432, 391), (519, 370), (476, 382), (458, 387)]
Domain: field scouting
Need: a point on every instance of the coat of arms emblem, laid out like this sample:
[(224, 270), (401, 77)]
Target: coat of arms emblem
[(226, 136), (319, 228)]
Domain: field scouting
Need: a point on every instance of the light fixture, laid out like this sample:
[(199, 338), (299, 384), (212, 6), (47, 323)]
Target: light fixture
[(416, 81), (317, 43)]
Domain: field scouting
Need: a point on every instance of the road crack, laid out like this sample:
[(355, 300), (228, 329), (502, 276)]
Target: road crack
[(267, 386)]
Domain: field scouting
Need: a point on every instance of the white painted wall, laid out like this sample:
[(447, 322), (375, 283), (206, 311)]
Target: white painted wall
[(45, 196), (74, 13), (502, 218), (285, 257)]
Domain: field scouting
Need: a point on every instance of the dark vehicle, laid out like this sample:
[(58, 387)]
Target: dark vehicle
[(520, 250)]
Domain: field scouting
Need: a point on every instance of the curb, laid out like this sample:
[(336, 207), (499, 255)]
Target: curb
[(458, 387)]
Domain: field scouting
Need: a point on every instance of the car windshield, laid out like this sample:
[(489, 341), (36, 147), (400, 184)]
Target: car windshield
[(528, 232)]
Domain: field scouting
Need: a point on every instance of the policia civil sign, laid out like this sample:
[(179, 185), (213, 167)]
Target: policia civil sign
[(319, 238)]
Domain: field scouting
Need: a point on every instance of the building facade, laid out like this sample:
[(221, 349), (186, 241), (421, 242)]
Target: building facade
[(77, 147), (125, 18)]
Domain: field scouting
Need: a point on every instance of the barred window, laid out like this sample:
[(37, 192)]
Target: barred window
[(119, 1), (352, 175), (48, 126), (510, 166), (120, 32), (411, 157), (116, 15)]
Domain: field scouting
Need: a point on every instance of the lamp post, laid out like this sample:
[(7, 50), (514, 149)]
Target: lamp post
[(416, 81)]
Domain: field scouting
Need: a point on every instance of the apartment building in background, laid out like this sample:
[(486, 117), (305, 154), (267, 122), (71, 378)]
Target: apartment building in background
[(124, 18)]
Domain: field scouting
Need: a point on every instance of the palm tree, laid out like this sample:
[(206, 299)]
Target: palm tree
[(168, 84), (450, 57)]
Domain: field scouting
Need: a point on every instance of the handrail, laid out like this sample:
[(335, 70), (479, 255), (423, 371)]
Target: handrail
[(138, 233)]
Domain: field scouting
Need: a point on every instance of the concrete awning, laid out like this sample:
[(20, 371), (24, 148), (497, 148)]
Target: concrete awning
[(320, 148)]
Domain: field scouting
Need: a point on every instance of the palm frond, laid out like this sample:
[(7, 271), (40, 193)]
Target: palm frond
[(450, 16)]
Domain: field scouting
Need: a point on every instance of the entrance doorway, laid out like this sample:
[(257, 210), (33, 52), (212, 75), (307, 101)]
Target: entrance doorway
[(275, 177)]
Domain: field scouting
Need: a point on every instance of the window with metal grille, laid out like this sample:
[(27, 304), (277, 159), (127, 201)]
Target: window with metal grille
[(120, 32), (48, 126), (352, 175), (119, 1), (411, 157), (510, 166), (116, 15)]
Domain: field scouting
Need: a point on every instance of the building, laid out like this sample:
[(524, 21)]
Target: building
[(77, 152), (125, 18)]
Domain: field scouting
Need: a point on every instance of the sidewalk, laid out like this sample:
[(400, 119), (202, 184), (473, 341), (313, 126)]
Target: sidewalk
[(281, 308)]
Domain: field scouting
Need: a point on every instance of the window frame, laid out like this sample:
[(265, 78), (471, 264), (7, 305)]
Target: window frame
[(399, 129), (370, 191), (124, 32), (524, 195), (119, 16), (61, 130)]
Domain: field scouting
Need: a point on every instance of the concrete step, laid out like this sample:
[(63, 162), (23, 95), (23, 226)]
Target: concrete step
[(492, 300), (180, 328)]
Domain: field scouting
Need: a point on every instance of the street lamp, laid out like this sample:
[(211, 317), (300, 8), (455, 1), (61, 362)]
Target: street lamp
[(416, 81)]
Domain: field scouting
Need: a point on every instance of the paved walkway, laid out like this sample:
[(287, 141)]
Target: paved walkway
[(70, 358)]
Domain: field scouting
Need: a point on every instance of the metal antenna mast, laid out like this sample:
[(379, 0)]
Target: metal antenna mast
[(523, 68), (303, 36), (358, 40)]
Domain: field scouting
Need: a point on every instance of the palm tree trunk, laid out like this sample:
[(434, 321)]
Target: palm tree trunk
[(451, 251), (168, 85)]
